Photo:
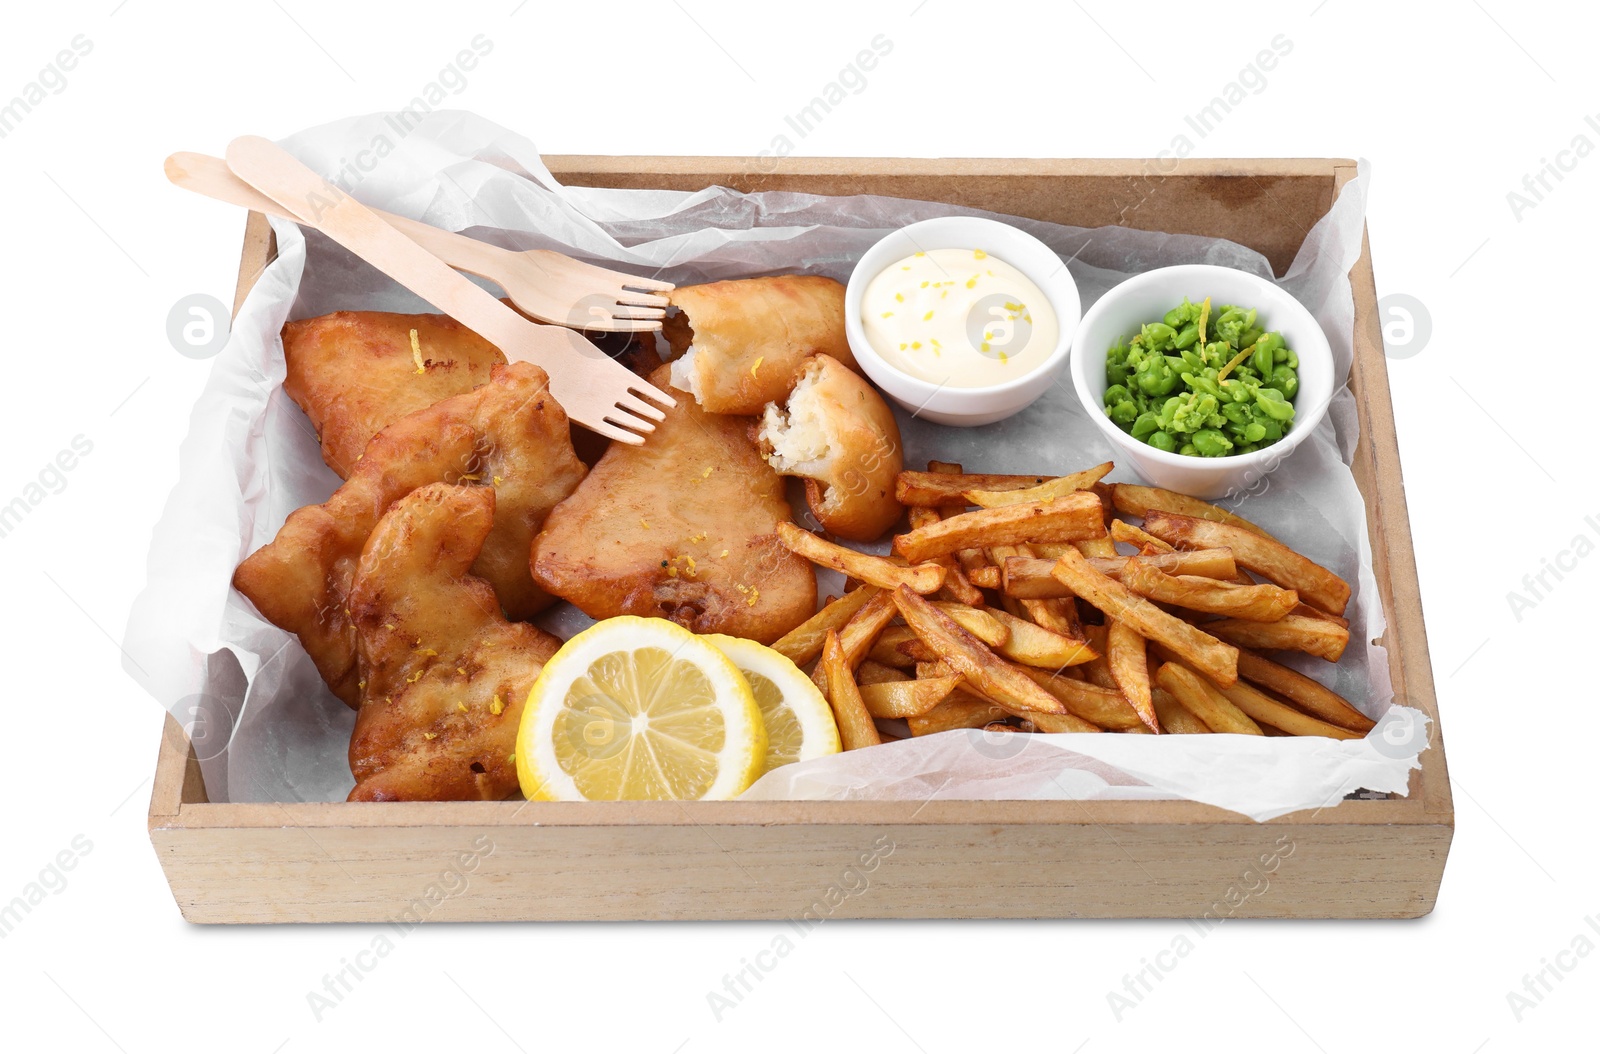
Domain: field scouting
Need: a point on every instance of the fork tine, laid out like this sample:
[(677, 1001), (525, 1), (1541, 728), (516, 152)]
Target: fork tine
[(623, 325), (628, 296), (634, 404), (611, 431), (651, 392), (633, 430), (626, 310)]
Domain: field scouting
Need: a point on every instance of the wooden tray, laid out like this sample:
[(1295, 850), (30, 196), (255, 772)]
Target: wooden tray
[(341, 862)]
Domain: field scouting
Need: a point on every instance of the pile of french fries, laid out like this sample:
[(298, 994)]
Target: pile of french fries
[(1008, 606)]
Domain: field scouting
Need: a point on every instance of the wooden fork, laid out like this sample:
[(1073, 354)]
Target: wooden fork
[(592, 388), (546, 285)]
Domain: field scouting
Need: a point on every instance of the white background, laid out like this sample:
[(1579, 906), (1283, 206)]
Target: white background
[(1495, 416)]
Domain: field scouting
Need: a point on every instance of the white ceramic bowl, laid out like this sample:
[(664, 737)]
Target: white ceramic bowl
[(944, 404), (1146, 298)]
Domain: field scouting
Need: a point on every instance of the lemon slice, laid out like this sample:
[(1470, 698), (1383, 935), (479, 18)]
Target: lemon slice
[(639, 709), (800, 724)]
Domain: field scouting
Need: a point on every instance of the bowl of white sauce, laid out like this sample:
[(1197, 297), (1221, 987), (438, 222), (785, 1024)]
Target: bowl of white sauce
[(961, 320)]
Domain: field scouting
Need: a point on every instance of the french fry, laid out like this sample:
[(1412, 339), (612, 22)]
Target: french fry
[(936, 668), (1058, 615), (956, 586), (1265, 710), (1175, 719), (804, 643), (1325, 640), (959, 711), (856, 638), (874, 570), (1034, 645), (1102, 548), (856, 729), (1000, 726), (1271, 559), (1218, 660), (1205, 700), (969, 559), (1027, 578), (1075, 516), (1102, 707), (1055, 488), (870, 672), (987, 577), (1125, 655), (1308, 694), (1138, 501), (988, 675), (890, 647), (1138, 537), (949, 488), (907, 698), (987, 625), (1256, 603), (1307, 611)]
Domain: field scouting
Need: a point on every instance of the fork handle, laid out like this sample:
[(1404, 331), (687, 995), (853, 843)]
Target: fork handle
[(307, 198), (211, 177)]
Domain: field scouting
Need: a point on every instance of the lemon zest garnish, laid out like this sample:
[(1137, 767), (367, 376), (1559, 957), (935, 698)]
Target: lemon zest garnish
[(915, 344), (416, 353), (887, 314), (511, 759), (901, 296), (497, 480), (754, 366), (972, 282), (644, 523), (462, 670), (723, 553), (430, 735), (927, 316), (496, 706), (414, 678), (672, 572), (461, 708), (361, 685)]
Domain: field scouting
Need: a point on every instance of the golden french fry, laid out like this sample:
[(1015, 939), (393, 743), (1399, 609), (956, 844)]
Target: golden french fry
[(804, 643), (1266, 710), (1217, 659), (1138, 537), (858, 635), (870, 672), (874, 570), (1325, 640), (1055, 488), (1308, 694), (1175, 719), (898, 646), (936, 668), (1027, 578), (987, 625), (849, 712), (1130, 668), (1033, 645), (1075, 516), (949, 488), (1000, 726), (1307, 611), (956, 586), (1058, 615), (959, 711), (1102, 548), (907, 698), (1102, 707), (986, 673), (986, 577), (1138, 501), (1205, 700), (1269, 558), (1256, 603)]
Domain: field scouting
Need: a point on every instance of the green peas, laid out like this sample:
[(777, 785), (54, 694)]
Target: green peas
[(1208, 442), (1230, 394), (1285, 380)]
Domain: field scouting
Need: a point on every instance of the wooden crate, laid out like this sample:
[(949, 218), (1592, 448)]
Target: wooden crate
[(342, 862)]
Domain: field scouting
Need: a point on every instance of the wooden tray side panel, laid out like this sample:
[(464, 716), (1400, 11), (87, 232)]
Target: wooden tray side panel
[(1268, 205), (803, 872)]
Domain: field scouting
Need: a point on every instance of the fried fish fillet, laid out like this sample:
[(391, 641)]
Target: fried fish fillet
[(738, 343), (355, 372), (444, 675), (510, 436), (682, 527)]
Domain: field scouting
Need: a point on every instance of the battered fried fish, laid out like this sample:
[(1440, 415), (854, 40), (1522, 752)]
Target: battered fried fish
[(682, 527), (739, 343), (444, 675), (510, 436), (355, 372)]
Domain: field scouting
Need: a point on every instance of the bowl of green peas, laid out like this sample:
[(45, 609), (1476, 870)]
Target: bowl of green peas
[(1203, 378)]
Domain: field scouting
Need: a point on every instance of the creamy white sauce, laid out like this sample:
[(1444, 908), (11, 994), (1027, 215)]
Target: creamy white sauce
[(958, 317)]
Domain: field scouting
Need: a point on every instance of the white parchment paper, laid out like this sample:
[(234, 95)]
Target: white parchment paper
[(267, 729)]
